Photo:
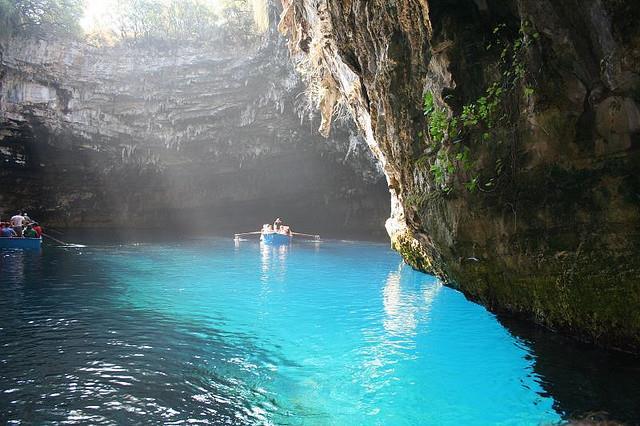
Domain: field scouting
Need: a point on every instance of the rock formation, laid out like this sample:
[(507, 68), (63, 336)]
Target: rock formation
[(508, 131), (153, 136)]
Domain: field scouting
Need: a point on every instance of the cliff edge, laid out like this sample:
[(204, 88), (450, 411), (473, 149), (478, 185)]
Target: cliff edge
[(508, 132)]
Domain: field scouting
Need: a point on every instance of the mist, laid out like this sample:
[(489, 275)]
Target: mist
[(183, 115)]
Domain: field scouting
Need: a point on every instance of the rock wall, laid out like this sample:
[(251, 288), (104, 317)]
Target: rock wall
[(189, 135), (508, 131)]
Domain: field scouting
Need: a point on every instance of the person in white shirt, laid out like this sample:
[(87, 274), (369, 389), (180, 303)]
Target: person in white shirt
[(16, 223)]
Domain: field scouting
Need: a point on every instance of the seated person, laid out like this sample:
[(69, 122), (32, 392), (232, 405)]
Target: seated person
[(30, 232), (37, 228), (284, 229), (7, 231)]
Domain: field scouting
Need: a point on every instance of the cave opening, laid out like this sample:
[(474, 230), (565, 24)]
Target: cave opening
[(176, 114)]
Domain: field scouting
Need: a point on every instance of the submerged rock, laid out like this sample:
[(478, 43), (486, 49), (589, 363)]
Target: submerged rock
[(508, 132)]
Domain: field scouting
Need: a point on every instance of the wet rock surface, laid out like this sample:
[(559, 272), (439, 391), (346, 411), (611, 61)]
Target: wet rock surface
[(189, 136), (551, 230)]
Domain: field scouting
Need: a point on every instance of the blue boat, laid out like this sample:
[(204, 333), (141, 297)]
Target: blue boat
[(20, 243), (275, 238)]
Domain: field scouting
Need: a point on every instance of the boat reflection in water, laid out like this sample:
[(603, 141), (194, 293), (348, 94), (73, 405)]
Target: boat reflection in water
[(15, 263), (273, 260)]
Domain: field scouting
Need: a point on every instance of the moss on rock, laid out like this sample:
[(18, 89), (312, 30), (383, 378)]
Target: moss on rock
[(552, 233)]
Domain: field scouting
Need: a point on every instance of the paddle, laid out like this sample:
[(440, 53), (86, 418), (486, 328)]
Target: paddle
[(246, 233), (62, 242), (317, 237), (55, 239)]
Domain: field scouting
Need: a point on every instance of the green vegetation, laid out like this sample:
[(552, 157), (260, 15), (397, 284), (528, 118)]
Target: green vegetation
[(40, 17), (488, 119), (414, 253), (138, 22), (152, 22), (148, 20), (417, 199)]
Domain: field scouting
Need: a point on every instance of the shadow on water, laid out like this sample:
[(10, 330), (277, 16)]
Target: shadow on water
[(581, 378)]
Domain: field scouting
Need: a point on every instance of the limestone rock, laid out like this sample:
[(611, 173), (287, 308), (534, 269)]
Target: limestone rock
[(552, 230), (126, 136)]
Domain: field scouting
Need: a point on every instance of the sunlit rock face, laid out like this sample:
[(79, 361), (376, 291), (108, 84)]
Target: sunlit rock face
[(200, 136), (552, 230)]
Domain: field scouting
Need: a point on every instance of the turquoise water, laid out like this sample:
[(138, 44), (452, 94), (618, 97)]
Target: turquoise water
[(212, 331)]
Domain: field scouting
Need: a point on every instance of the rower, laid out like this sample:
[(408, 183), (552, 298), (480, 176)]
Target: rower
[(7, 231)]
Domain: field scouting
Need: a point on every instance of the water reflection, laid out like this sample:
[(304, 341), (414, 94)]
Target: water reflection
[(276, 334), (404, 308), (273, 260), (581, 378), (15, 263), (407, 303)]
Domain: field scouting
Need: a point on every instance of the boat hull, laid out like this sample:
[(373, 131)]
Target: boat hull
[(20, 243), (274, 238)]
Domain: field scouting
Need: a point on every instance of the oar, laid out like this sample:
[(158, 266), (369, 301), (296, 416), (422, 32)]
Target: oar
[(317, 237), (61, 242), (55, 239), (247, 233)]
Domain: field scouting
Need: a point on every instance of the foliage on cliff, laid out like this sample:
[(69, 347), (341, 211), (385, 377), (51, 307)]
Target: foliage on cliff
[(143, 22), (40, 17), (453, 137), (546, 119), (140, 22)]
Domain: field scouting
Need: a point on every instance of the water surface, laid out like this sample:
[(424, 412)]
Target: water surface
[(212, 331)]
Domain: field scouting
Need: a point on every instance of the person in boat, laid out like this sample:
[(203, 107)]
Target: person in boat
[(277, 224), (7, 231), (37, 228), (17, 222), (29, 232), (284, 229)]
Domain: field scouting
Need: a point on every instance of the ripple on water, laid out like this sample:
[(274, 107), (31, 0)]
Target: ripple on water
[(210, 332)]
